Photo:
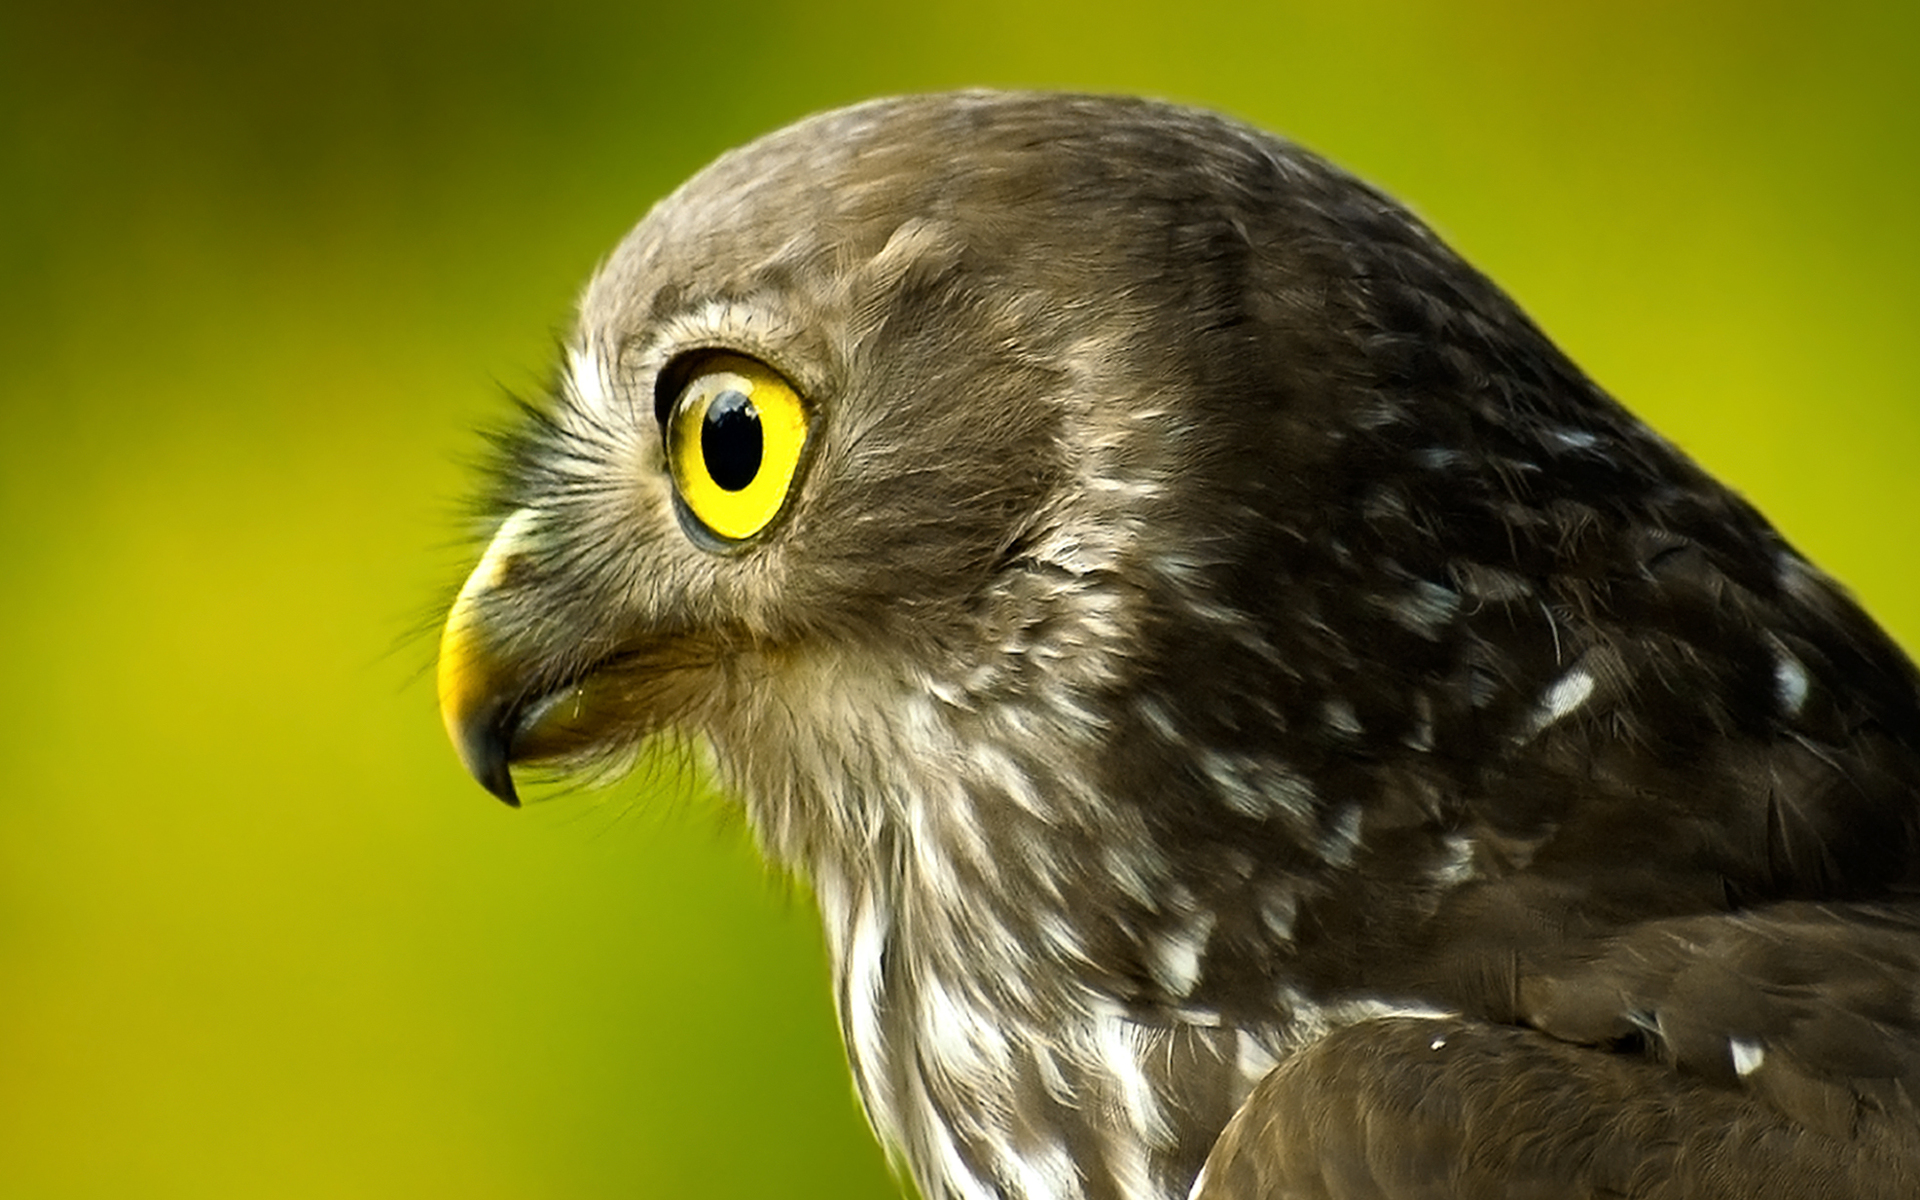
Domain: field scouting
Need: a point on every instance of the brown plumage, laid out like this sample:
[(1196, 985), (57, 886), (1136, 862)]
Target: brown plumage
[(1221, 668)]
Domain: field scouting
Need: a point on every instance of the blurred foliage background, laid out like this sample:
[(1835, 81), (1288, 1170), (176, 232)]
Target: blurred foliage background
[(265, 269)]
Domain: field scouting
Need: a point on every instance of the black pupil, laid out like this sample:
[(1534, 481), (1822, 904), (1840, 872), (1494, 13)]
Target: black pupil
[(730, 440)]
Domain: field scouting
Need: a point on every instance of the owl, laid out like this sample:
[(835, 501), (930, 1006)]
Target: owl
[(1257, 720)]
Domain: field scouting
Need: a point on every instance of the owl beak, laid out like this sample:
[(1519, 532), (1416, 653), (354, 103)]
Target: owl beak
[(475, 696), (510, 695), (518, 687), (480, 695)]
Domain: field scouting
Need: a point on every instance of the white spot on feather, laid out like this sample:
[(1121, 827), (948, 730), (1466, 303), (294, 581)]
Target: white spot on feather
[(1152, 712), (1457, 868), (1747, 1056), (959, 1179), (1426, 610), (1790, 684), (1135, 872), (1257, 788), (1252, 1059), (1051, 1076), (866, 964), (1569, 692), (1342, 838), (1278, 908), (1000, 768), (1565, 694), (1340, 717), (1119, 1043), (930, 852), (836, 911), (1174, 958), (1127, 1161), (1061, 934), (1047, 1172), (1573, 439), (963, 1042)]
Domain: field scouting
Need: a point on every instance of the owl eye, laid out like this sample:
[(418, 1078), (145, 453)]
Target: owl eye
[(734, 435)]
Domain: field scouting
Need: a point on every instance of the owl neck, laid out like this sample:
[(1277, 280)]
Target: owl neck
[(1026, 981), (981, 1072), (968, 919), (986, 918)]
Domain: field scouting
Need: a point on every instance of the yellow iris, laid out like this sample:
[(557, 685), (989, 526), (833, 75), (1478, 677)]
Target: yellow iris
[(733, 442)]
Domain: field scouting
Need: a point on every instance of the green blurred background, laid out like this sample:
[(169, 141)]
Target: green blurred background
[(263, 273)]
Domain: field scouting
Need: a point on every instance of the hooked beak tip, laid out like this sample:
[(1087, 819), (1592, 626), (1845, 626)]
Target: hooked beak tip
[(483, 739), (483, 747), (497, 778), (479, 722)]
